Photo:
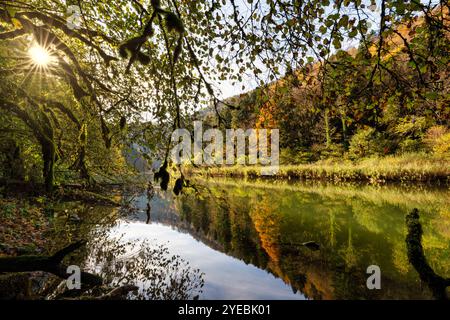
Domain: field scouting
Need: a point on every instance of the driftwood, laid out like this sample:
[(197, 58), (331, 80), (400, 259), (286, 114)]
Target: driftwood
[(52, 264), (416, 257)]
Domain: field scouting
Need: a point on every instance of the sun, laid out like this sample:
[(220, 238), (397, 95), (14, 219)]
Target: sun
[(40, 56)]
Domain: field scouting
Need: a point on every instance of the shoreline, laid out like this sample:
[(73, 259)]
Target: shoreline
[(392, 170)]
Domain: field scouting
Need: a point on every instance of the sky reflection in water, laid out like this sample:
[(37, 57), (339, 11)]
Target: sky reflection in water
[(225, 277)]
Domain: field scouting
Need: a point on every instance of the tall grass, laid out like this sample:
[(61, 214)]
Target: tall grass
[(403, 168)]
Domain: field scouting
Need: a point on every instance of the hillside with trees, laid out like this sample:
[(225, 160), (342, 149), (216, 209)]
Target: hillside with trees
[(374, 101)]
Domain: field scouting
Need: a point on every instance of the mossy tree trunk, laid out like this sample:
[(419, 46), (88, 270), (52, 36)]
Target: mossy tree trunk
[(49, 158), (80, 162), (42, 129), (14, 163)]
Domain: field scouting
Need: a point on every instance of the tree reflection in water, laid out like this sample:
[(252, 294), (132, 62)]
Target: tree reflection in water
[(158, 274), (265, 224), (416, 256)]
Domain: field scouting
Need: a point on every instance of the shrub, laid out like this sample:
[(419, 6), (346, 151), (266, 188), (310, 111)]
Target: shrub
[(367, 142), (443, 145), (334, 151), (411, 127), (411, 131), (410, 145), (437, 140), (289, 156)]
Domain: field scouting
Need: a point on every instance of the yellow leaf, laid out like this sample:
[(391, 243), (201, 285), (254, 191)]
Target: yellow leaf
[(16, 23)]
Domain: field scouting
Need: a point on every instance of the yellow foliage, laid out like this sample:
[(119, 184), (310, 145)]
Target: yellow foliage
[(438, 140)]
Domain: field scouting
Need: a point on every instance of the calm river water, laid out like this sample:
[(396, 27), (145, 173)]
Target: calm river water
[(233, 239)]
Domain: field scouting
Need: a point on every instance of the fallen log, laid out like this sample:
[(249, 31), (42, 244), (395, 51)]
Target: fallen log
[(52, 264)]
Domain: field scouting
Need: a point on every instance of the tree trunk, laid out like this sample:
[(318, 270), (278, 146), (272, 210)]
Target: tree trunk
[(49, 157), (327, 128), (14, 164), (344, 131), (51, 264), (43, 131)]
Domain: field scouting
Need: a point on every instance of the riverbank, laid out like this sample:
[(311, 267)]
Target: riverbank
[(36, 224), (24, 227), (407, 168), (27, 219)]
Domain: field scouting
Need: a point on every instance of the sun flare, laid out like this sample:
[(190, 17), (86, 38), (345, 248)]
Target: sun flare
[(40, 56)]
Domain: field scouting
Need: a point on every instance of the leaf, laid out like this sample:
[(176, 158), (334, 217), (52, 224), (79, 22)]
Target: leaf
[(11, 11), (353, 33), (337, 43), (343, 22), (16, 23)]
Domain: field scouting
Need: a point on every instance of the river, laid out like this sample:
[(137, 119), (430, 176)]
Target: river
[(236, 239)]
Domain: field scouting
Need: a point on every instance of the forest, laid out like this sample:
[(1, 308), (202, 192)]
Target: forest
[(91, 91), (386, 112)]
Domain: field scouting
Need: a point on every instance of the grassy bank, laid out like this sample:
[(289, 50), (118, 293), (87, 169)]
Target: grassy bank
[(406, 168), (409, 197)]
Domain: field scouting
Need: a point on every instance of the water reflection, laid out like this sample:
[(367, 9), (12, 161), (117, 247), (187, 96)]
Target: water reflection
[(225, 277), (259, 240), (249, 238), (129, 259), (416, 257)]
